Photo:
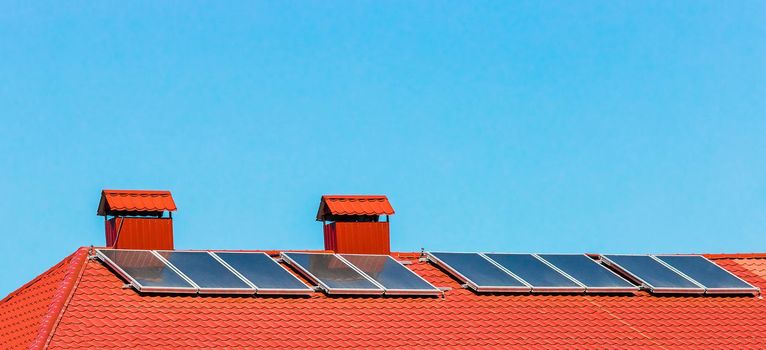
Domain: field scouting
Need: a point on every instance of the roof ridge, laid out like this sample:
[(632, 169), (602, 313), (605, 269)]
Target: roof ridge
[(76, 263)]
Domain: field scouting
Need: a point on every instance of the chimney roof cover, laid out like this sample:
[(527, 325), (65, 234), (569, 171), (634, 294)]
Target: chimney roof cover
[(354, 205), (135, 201)]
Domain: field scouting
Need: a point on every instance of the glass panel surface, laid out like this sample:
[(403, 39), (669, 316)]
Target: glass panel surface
[(389, 273), (146, 269), (587, 271), (331, 271), (704, 271), (262, 270), (532, 270), (651, 271), (479, 270), (204, 270)]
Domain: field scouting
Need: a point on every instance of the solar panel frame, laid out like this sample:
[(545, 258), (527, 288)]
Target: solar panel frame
[(192, 289), (588, 289), (654, 289), (208, 290), (326, 288), (393, 291), (710, 290), (580, 288), (266, 291), (475, 286)]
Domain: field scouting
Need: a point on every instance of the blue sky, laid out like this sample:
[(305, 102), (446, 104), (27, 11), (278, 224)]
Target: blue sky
[(612, 126)]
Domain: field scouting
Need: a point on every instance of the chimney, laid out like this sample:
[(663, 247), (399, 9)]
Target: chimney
[(136, 219), (352, 224)]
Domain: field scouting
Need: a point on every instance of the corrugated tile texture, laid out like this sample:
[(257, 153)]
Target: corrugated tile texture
[(130, 200), (101, 314), (28, 314), (354, 205)]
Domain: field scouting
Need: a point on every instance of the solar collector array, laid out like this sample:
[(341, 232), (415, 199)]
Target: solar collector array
[(266, 275), (715, 279), (146, 271), (479, 273), (537, 273), (653, 274), (207, 273), (679, 274), (502, 272), (366, 274), (257, 273), (201, 272), (391, 275), (595, 277)]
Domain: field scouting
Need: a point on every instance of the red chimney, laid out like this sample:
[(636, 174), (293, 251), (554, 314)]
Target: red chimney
[(134, 219), (352, 224)]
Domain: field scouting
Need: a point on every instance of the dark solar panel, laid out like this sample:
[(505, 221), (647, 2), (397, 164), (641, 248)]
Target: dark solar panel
[(393, 276), (333, 274), (206, 272), (477, 272), (656, 276), (587, 271), (715, 279), (535, 272), (145, 271), (266, 274)]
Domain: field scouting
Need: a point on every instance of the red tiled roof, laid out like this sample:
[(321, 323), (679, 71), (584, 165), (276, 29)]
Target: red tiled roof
[(28, 315), (353, 205), (132, 200), (102, 314)]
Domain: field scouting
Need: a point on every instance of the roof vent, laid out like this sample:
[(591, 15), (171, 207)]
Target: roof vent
[(352, 224), (136, 219)]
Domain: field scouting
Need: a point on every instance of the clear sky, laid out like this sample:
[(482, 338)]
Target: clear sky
[(611, 126)]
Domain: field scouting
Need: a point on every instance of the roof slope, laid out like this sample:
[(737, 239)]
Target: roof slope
[(353, 205), (28, 314), (135, 201), (101, 314)]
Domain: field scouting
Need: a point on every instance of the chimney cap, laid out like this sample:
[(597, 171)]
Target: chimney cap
[(365, 205), (135, 202)]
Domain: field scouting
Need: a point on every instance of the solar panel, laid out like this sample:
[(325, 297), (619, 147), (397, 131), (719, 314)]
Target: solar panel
[(715, 279), (392, 275), (542, 277), (653, 274), (595, 277), (264, 273), (333, 275), (479, 273), (145, 271), (207, 272)]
